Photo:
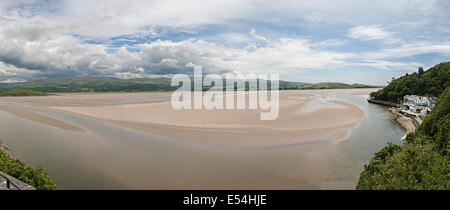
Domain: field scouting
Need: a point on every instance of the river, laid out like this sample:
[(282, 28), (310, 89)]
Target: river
[(107, 156)]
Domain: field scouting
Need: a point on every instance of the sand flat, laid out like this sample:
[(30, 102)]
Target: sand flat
[(204, 149), (305, 115), (302, 118), (40, 118)]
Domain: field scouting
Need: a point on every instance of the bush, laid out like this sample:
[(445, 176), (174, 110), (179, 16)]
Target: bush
[(35, 177), (20, 92)]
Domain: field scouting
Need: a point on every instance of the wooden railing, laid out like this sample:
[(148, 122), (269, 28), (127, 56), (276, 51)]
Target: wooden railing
[(10, 182)]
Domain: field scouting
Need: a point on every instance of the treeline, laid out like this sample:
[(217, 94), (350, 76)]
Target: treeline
[(334, 85), (426, 83), (92, 84), (111, 84), (423, 161), (35, 177), (21, 92)]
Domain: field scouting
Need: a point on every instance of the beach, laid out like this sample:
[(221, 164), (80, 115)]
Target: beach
[(405, 121)]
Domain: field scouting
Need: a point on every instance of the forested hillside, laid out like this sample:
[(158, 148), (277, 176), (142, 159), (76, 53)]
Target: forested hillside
[(423, 161), (428, 83), (335, 85), (20, 92)]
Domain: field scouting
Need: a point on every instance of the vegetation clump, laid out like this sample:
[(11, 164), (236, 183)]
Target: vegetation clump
[(35, 177), (335, 85), (21, 92)]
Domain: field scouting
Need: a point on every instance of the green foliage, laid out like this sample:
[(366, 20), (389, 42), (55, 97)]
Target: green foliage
[(35, 177), (334, 85), (111, 84), (412, 166), (20, 92), (431, 82), (93, 84), (421, 163), (437, 124)]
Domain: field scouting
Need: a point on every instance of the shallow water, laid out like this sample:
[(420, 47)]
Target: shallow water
[(107, 156)]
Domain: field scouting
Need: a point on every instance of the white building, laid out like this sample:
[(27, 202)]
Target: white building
[(419, 101), (415, 104)]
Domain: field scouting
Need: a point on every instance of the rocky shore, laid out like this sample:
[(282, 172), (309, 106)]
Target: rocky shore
[(3, 147), (404, 121)]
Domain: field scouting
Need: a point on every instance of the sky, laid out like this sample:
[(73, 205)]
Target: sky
[(346, 41)]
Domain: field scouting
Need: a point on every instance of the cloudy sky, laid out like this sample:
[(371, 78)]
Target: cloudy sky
[(311, 41)]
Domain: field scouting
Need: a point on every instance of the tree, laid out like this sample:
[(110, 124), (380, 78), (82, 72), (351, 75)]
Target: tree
[(431, 83), (392, 96), (421, 71), (405, 91)]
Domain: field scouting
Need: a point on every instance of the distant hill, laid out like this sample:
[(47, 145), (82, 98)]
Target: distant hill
[(112, 84), (106, 84), (431, 82), (335, 85), (93, 84), (287, 84)]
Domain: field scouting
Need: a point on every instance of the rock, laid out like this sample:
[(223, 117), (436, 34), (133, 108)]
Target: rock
[(404, 121), (3, 147)]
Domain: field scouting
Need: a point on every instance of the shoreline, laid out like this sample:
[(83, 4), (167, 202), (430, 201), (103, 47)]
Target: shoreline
[(383, 103), (3, 147), (406, 122)]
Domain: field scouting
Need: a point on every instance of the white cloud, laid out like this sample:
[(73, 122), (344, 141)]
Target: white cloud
[(43, 50), (12, 72), (387, 65), (36, 38), (256, 36), (12, 81), (37, 47), (370, 32), (410, 49), (99, 18)]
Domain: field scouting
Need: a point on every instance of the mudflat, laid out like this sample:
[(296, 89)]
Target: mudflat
[(304, 115), (138, 141)]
